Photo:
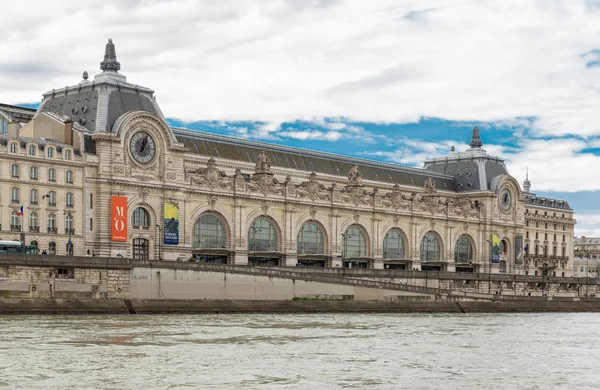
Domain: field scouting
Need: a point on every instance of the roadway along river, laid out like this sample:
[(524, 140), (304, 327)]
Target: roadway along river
[(320, 351)]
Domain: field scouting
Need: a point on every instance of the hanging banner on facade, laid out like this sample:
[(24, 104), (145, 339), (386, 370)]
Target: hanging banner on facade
[(171, 215), (495, 249), (518, 249), (118, 207)]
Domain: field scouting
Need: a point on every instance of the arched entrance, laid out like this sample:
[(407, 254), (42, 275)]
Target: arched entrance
[(394, 250), (431, 254), (210, 240), (463, 254), (263, 243), (354, 248)]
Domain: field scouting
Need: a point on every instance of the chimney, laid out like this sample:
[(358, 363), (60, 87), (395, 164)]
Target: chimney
[(69, 132)]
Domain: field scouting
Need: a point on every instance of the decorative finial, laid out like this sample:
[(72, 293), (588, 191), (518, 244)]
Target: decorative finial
[(527, 183), (475, 139), (452, 149), (110, 62), (85, 75)]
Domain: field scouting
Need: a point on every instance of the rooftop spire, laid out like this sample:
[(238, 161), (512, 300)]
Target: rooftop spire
[(475, 139), (527, 183), (110, 62)]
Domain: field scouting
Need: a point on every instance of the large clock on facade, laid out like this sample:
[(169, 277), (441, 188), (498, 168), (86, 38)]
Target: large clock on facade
[(505, 199), (142, 147)]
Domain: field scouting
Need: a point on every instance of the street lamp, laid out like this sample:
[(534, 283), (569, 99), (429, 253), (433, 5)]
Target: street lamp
[(345, 237), (159, 227), (254, 229)]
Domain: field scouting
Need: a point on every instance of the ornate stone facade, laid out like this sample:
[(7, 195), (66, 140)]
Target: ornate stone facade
[(246, 202)]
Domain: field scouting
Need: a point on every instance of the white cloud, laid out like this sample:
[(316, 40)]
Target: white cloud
[(588, 224), (277, 61)]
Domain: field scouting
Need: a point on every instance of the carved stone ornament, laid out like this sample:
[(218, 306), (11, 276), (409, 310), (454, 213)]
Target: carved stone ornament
[(143, 194), (210, 176), (312, 211), (396, 200), (429, 199), (429, 188), (265, 183), (263, 163), (356, 216), (464, 207), (355, 194), (355, 177), (264, 206), (312, 189), (212, 200)]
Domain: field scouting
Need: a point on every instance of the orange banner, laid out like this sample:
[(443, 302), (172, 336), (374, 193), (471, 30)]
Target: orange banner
[(119, 218)]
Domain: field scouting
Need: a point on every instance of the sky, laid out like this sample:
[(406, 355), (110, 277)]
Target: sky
[(391, 80)]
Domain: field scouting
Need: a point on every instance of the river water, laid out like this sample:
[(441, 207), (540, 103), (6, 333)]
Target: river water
[(316, 351)]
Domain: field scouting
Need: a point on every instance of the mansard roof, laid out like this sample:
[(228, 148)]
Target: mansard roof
[(219, 146), (97, 104), (542, 201)]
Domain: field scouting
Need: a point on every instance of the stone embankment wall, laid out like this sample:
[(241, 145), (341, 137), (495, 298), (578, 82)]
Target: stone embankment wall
[(87, 284)]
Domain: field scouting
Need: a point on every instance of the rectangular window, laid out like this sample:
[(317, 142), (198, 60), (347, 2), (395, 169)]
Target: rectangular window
[(91, 224), (91, 201)]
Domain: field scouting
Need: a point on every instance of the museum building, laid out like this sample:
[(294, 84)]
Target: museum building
[(97, 171)]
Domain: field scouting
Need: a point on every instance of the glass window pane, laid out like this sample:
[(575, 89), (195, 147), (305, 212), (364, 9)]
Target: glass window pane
[(463, 252), (262, 236), (209, 232), (430, 248), (310, 240), (393, 245), (354, 243)]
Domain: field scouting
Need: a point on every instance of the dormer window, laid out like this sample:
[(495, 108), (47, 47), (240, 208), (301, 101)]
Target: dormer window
[(13, 147), (68, 154), (50, 152), (32, 150)]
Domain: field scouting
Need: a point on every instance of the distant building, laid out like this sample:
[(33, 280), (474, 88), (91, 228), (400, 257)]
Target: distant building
[(99, 172)]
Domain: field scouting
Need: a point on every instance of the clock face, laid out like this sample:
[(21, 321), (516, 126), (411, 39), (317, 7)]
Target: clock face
[(142, 147), (505, 200)]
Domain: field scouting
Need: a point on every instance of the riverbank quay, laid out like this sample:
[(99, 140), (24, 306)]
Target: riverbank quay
[(60, 284)]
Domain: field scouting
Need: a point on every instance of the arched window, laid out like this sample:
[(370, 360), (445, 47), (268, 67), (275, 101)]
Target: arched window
[(52, 175), (33, 196), (69, 177), (354, 243), (69, 248), (14, 170), (310, 240), (140, 249), (463, 251), (50, 152), (14, 221), (51, 198), (51, 248), (68, 223), (33, 173), (15, 195), (67, 154), (13, 147), (430, 248), (140, 218), (393, 245), (33, 221), (35, 244), (504, 245), (69, 199), (32, 150), (209, 233), (51, 223), (262, 236)]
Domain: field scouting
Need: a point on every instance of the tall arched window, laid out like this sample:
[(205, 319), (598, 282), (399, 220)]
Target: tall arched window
[(262, 236), (33, 196), (209, 233), (35, 244), (14, 221), (51, 248), (51, 198), (354, 243), (68, 223), (15, 195), (69, 199), (430, 248), (14, 170), (33, 222), (33, 173), (310, 240), (504, 245), (69, 177), (393, 245), (140, 249), (140, 218), (463, 250), (51, 223), (52, 175)]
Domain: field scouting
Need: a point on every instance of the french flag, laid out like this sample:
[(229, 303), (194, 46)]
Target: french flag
[(20, 211)]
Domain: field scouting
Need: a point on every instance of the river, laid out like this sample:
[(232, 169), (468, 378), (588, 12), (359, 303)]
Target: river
[(318, 351)]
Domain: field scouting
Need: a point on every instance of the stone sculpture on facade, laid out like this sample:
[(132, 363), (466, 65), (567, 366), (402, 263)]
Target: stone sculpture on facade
[(429, 199), (396, 199), (210, 176), (263, 179), (312, 189), (263, 163), (464, 207)]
